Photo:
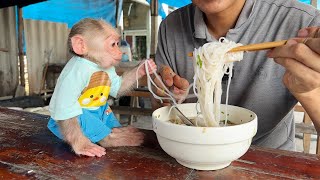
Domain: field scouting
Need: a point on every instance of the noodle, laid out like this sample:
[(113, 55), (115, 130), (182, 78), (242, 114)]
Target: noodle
[(211, 62)]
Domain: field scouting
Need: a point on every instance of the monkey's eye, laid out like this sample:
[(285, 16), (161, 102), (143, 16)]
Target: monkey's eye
[(91, 96), (101, 94)]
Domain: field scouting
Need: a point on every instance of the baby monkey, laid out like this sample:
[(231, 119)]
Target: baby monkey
[(80, 114)]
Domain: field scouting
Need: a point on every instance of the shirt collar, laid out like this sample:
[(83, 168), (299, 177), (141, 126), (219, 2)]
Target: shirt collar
[(86, 61), (201, 31), (200, 26)]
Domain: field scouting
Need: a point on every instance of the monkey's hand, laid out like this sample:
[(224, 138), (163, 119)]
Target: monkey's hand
[(83, 146), (151, 67), (125, 136)]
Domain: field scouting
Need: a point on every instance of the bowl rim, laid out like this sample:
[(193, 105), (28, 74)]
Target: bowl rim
[(206, 135), (185, 126)]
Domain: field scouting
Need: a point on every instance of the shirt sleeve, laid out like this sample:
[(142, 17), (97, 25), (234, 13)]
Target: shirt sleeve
[(115, 82)]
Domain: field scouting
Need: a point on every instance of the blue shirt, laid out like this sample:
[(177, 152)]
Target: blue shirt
[(82, 84)]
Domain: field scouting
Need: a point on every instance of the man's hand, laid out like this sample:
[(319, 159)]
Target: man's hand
[(302, 63), (301, 59), (177, 85), (311, 32)]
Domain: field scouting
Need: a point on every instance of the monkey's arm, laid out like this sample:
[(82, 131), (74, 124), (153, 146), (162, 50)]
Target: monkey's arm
[(128, 81), (81, 145)]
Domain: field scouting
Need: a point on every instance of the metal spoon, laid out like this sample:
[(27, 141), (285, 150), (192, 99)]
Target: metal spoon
[(185, 120)]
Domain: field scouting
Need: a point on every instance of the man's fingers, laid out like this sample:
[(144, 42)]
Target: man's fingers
[(167, 75), (172, 81), (312, 43), (301, 72), (313, 32), (298, 51), (180, 83), (177, 91), (160, 90)]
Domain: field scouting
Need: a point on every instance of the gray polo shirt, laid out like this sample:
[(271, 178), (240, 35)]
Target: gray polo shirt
[(257, 81)]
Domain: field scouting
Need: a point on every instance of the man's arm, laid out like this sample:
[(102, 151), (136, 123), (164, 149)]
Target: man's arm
[(301, 58)]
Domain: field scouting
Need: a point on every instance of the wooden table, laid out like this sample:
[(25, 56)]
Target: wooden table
[(29, 151)]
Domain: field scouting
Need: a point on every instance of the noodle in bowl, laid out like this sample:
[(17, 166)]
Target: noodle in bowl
[(211, 62), (210, 145), (205, 148)]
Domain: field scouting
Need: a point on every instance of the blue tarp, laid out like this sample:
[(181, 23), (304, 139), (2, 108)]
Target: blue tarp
[(172, 3), (71, 11), (306, 1)]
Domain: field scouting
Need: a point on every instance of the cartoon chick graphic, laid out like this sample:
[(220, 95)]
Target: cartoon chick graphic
[(97, 92)]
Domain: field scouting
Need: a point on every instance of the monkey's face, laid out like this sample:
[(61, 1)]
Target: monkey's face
[(105, 52), (112, 44), (112, 51)]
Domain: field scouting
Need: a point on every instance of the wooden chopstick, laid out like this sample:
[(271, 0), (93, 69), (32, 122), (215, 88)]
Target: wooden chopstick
[(255, 47), (260, 46)]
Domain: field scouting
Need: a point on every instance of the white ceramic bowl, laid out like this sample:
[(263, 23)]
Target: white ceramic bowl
[(205, 148)]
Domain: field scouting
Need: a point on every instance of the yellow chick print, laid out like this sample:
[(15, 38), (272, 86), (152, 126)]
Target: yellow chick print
[(97, 92)]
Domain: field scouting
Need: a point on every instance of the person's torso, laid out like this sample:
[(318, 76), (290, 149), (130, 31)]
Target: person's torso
[(257, 80)]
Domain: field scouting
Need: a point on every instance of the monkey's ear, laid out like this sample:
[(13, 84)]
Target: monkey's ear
[(79, 45)]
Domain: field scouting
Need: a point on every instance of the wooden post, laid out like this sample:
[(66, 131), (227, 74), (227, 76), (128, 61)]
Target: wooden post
[(314, 3), (306, 136), (318, 146), (154, 27), (117, 13), (20, 46)]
